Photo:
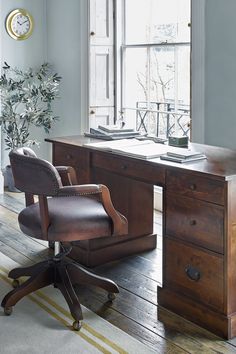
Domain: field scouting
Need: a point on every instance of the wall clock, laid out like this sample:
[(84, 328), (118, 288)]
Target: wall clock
[(19, 24)]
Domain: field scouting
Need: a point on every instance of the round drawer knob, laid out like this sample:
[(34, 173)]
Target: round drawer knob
[(124, 167), (192, 273), (92, 33), (193, 187), (68, 157), (193, 222)]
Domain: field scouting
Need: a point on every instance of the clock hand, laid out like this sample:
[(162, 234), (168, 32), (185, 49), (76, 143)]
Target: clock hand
[(25, 21), (19, 23)]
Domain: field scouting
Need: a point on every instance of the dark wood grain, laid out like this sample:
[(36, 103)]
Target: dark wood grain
[(220, 163), (199, 215), (197, 187), (208, 286), (142, 170), (195, 221), (230, 254), (71, 156), (132, 198), (132, 311)]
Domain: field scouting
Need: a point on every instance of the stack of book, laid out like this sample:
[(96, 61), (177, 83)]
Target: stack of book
[(183, 156), (111, 132)]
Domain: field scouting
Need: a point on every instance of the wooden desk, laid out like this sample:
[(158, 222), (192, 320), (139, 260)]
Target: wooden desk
[(199, 224)]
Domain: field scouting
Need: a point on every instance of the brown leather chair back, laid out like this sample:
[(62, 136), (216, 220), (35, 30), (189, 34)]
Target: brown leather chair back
[(33, 175)]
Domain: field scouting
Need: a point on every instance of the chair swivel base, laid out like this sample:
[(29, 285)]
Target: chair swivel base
[(64, 275)]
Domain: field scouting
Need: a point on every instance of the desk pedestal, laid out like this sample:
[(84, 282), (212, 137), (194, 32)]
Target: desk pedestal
[(117, 250), (199, 224), (221, 325)]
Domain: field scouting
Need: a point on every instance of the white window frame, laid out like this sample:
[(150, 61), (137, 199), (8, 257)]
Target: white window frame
[(121, 47), (197, 84), (198, 70)]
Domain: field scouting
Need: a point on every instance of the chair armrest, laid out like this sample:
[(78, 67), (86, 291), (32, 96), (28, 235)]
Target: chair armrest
[(102, 194), (67, 174), (83, 189), (120, 223)]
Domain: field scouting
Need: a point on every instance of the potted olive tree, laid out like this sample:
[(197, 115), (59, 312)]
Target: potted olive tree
[(26, 100)]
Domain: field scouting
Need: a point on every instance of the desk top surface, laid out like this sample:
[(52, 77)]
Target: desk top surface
[(220, 162)]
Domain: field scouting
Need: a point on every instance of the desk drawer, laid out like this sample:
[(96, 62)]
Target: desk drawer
[(195, 186), (129, 167), (195, 221), (194, 273), (72, 156)]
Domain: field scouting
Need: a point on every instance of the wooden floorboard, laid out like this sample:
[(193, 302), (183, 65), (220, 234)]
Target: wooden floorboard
[(135, 309)]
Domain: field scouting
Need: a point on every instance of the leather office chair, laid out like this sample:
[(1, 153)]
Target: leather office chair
[(64, 212)]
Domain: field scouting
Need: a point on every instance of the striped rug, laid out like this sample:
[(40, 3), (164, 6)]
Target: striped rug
[(41, 323)]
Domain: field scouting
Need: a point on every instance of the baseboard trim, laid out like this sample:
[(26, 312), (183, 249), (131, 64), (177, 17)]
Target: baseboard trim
[(218, 323)]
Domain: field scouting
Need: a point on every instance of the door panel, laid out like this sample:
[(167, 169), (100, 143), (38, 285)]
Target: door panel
[(101, 76), (101, 22)]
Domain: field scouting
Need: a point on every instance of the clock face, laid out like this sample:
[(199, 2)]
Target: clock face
[(19, 24)]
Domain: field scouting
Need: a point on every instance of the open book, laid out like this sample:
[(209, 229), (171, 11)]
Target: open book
[(146, 149), (115, 145)]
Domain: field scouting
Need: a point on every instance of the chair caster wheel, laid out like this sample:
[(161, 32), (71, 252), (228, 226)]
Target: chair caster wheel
[(111, 296), (15, 283), (8, 311), (77, 325)]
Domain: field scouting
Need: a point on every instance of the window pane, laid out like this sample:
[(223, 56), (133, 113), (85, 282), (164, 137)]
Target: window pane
[(157, 79), (135, 81), (136, 75), (162, 73), (156, 21)]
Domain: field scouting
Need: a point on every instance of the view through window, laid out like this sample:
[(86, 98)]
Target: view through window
[(156, 66)]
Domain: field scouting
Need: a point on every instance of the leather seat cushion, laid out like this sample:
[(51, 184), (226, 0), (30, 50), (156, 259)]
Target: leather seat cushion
[(71, 218)]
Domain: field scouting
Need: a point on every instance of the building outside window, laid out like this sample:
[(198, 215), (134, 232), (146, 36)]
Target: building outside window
[(155, 66)]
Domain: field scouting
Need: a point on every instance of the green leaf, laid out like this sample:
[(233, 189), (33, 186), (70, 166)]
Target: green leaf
[(26, 97)]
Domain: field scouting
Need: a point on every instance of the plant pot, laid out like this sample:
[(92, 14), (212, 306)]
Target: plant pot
[(9, 179)]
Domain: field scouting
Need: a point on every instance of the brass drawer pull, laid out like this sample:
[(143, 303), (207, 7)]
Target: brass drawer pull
[(193, 187), (193, 273), (193, 222)]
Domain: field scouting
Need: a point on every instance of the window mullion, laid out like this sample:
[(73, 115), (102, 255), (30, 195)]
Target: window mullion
[(123, 103), (165, 44), (148, 82), (176, 83)]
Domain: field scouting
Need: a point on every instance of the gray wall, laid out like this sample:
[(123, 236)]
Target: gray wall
[(220, 73), (59, 33), (65, 50), (23, 54), (60, 38), (31, 51)]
